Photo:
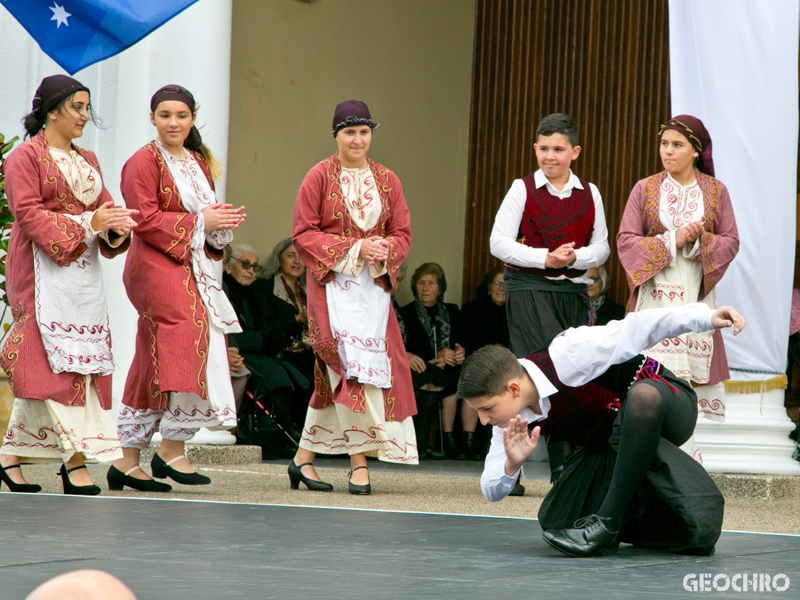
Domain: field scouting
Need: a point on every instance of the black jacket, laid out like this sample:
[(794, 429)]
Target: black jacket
[(268, 323)]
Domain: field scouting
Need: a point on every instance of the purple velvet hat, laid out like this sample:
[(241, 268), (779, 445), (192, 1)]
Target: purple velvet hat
[(351, 112)]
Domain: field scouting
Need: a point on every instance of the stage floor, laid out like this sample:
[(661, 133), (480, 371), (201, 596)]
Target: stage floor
[(209, 550)]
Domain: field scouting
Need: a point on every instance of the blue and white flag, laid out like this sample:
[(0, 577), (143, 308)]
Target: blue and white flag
[(79, 33)]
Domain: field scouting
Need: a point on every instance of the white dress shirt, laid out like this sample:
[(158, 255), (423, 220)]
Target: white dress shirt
[(503, 242), (580, 354)]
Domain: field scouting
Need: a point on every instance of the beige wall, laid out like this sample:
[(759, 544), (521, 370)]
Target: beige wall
[(409, 60)]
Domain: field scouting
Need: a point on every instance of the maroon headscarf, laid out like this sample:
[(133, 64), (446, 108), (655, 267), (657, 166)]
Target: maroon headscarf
[(180, 94), (693, 130), (351, 112), (48, 96)]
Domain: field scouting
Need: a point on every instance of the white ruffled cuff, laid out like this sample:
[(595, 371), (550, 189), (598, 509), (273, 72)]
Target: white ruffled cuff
[(199, 235), (351, 264)]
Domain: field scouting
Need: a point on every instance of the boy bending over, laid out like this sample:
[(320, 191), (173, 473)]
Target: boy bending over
[(628, 480)]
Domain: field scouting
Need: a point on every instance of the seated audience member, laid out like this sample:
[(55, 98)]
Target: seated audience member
[(284, 274), (268, 326), (603, 307), (484, 319), (433, 344), (427, 400), (484, 323)]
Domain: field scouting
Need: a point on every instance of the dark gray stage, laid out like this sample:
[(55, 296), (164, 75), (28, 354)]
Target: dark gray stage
[(203, 550)]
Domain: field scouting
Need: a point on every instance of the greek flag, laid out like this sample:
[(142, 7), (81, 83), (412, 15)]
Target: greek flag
[(79, 33)]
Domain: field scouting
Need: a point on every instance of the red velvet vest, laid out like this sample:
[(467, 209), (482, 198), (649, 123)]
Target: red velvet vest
[(581, 415), (548, 222)]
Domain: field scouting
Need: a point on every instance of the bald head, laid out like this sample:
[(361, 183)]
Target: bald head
[(82, 585)]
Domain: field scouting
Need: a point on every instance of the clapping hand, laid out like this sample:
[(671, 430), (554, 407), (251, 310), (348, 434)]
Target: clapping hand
[(374, 249), (518, 444), (112, 217), (223, 216), (561, 257), (689, 232)]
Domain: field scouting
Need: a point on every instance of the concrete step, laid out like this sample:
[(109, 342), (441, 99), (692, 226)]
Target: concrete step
[(207, 454)]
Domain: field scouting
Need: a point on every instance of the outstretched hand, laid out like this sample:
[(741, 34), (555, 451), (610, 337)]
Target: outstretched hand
[(519, 445), (726, 316)]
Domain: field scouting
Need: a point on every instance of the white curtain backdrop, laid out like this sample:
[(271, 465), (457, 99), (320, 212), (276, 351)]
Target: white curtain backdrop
[(733, 64), (192, 50)]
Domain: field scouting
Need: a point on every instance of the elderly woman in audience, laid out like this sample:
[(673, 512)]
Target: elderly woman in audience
[(285, 276), (269, 325), (435, 355), (604, 309)]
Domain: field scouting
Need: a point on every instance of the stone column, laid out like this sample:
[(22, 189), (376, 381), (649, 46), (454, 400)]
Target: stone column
[(753, 438)]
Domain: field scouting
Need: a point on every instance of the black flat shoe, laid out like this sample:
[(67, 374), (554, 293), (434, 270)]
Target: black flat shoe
[(118, 480), (296, 476), (76, 490), (590, 537), (20, 488), (162, 470), (358, 490)]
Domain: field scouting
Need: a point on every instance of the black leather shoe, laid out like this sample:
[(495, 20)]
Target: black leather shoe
[(163, 470), (296, 476), (590, 537), (118, 480), (517, 490), (76, 490), (20, 488), (430, 454), (358, 490)]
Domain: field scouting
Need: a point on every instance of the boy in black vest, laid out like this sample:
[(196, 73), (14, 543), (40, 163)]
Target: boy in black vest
[(628, 480), (549, 230)]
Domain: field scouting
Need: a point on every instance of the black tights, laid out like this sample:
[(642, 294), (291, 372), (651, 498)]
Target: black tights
[(651, 411)]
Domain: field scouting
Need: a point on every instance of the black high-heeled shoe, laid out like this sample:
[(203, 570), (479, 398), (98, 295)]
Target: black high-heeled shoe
[(296, 476), (20, 488), (358, 490), (118, 480), (76, 490), (163, 470)]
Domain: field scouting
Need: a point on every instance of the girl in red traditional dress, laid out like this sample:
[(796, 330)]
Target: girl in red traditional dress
[(677, 238), (351, 229), (180, 379), (58, 354)]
